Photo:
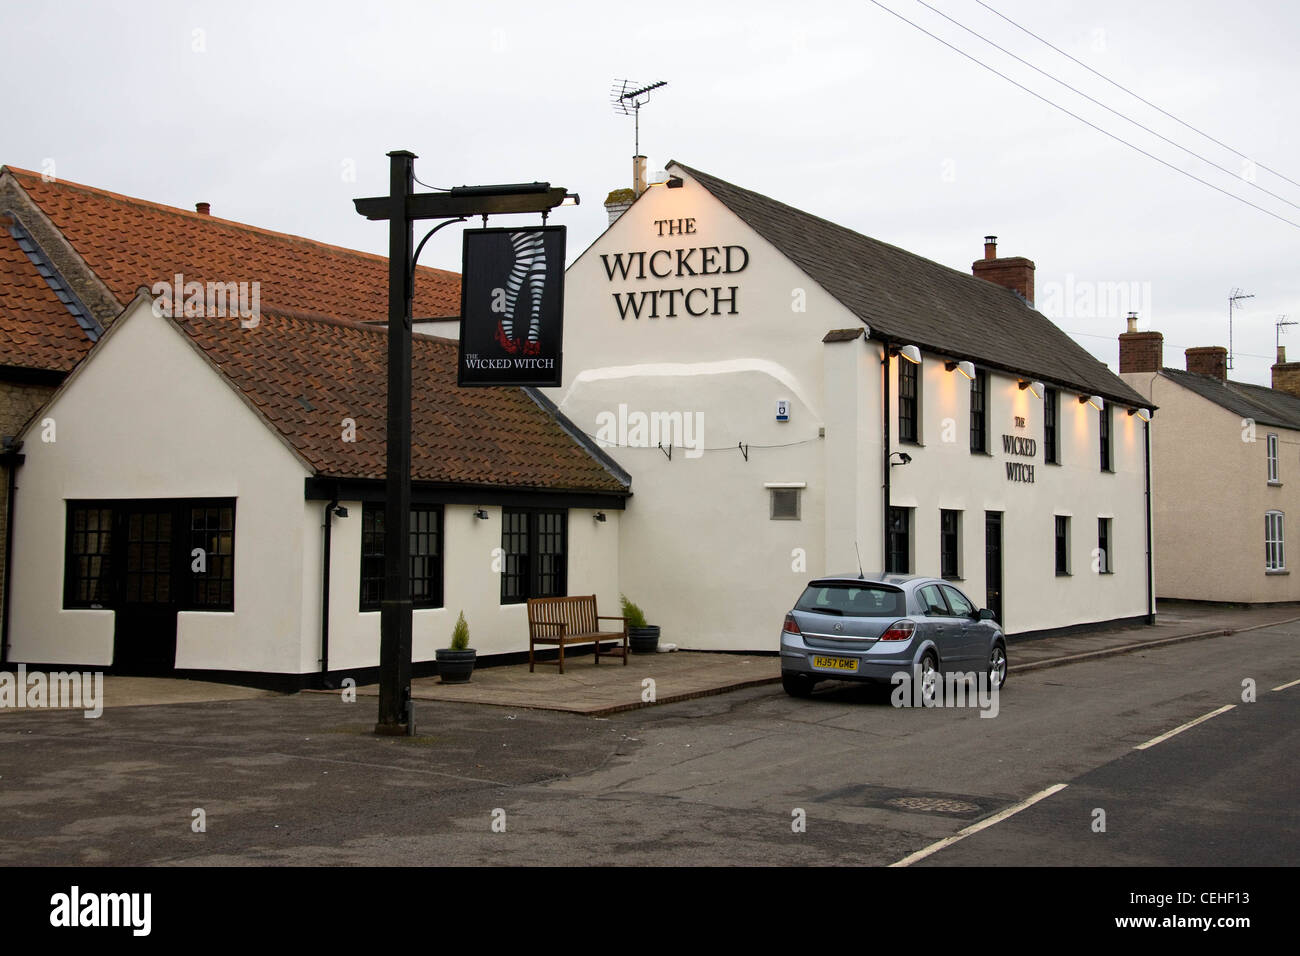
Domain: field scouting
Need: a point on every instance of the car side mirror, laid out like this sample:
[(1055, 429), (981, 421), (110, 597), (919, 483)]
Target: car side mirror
[(985, 615)]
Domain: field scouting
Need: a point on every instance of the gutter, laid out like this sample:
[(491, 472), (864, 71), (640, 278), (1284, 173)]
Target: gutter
[(328, 526), (12, 459), (1146, 451), (886, 453)]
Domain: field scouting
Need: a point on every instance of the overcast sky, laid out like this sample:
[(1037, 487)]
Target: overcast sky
[(280, 113)]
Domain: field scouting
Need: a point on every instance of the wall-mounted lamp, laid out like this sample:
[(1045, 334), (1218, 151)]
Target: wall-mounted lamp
[(599, 516), (966, 368), (1036, 389), (904, 458), (1096, 401), (340, 511), (1142, 413), (481, 514), (660, 178), (911, 353), (674, 182)]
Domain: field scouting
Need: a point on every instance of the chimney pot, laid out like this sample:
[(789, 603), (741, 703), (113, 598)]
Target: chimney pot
[(990, 247), (203, 208), (1281, 355), (1015, 273), (638, 175), (1132, 321)]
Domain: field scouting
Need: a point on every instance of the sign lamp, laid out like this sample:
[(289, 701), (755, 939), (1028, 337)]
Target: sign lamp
[(1096, 401), (911, 353), (1142, 413), (966, 368), (1036, 389)]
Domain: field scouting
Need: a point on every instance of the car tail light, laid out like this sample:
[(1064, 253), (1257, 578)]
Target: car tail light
[(791, 626), (899, 631)]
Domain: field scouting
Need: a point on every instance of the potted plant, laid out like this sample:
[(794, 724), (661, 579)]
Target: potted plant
[(456, 663), (643, 638)]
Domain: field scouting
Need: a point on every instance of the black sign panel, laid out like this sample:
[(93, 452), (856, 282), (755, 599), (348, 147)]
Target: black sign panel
[(512, 306)]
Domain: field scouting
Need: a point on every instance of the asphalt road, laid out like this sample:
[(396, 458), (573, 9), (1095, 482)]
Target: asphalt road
[(721, 780)]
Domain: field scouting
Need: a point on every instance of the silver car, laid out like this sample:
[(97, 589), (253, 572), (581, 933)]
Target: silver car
[(869, 628)]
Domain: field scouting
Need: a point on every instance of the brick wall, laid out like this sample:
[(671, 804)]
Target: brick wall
[(1141, 352), (1016, 273), (1209, 360)]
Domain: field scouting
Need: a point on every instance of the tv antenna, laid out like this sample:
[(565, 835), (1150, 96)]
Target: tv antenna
[(1233, 298), (1282, 320), (627, 97)]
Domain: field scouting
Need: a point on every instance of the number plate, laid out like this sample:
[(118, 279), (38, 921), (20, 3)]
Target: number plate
[(836, 663)]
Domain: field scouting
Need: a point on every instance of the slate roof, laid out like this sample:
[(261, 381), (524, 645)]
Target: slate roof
[(37, 330), (914, 301), (306, 374), (130, 242), (1268, 406)]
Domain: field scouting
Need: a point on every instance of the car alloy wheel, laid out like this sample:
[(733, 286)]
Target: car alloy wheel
[(998, 666), (929, 679)]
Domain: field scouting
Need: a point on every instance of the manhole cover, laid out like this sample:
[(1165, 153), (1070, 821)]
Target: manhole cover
[(932, 804)]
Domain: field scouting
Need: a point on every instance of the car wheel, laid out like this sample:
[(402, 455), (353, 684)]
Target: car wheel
[(998, 665), (797, 685), (929, 680)]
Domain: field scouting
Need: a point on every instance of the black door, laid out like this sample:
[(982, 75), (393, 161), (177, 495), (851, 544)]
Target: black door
[(993, 563), (144, 637)]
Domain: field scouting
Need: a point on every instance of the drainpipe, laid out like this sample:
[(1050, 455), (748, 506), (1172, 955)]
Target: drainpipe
[(1146, 449), (328, 527), (884, 538), (12, 460)]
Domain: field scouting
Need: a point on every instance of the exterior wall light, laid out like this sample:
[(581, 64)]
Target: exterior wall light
[(599, 516), (1142, 413), (481, 514), (904, 458), (966, 368), (911, 353), (1096, 401), (674, 182), (340, 511), (1036, 389)]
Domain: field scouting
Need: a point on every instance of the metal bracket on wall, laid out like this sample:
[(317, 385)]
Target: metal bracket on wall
[(667, 451), (744, 450)]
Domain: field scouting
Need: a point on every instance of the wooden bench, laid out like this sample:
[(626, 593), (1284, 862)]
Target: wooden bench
[(571, 620)]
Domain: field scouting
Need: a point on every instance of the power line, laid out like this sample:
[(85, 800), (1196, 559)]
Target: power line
[(1118, 139), (1054, 79), (1136, 96)]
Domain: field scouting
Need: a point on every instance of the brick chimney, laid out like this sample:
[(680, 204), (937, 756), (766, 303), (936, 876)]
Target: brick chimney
[(1140, 351), (1286, 375), (203, 208), (1016, 273), (618, 203), (1211, 360)]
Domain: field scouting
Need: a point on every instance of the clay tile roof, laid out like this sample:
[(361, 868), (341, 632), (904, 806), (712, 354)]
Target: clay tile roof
[(36, 329), (912, 300), (306, 375), (130, 242)]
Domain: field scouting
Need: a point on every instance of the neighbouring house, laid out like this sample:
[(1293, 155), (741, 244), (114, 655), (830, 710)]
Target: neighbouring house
[(203, 493), (1227, 474), (795, 398)]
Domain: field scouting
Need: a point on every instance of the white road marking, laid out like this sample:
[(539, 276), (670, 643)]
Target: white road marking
[(982, 825), (1285, 686), (1191, 723)]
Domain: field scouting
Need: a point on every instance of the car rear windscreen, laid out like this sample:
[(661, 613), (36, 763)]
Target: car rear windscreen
[(853, 600)]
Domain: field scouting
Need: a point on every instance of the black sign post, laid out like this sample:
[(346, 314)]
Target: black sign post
[(401, 207)]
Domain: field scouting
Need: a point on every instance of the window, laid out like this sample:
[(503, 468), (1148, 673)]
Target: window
[(1103, 546), (979, 416), (425, 560), (90, 556), (212, 531), (1062, 545), (535, 562), (961, 607), (932, 603), (1274, 553), (1107, 464), (908, 400), (899, 546), (1051, 423), (1272, 460), (785, 504), (949, 536)]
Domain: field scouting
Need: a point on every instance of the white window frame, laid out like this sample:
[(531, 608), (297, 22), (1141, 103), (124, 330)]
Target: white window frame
[(1274, 475), (1274, 541)]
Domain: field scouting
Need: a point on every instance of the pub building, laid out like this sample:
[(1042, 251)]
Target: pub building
[(794, 399)]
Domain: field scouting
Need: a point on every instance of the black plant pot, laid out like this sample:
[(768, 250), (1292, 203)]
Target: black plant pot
[(643, 640), (454, 667)]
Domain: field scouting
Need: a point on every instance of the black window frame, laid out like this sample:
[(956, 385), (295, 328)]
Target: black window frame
[(523, 576), (1107, 445), (979, 413), (950, 544), (909, 401), (1104, 535), (105, 539), (1051, 426), (1272, 450), (898, 550), (1062, 535), (371, 567)]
